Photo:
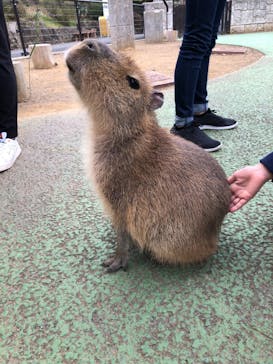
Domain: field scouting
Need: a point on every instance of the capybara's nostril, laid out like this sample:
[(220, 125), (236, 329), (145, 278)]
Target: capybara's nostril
[(90, 45)]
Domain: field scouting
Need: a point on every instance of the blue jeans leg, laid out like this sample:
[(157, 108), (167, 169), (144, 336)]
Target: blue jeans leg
[(196, 45), (200, 99)]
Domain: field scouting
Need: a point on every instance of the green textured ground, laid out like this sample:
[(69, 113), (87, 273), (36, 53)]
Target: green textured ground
[(58, 306)]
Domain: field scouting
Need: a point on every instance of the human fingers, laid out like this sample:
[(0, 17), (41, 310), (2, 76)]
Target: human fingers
[(236, 204), (235, 189), (231, 179)]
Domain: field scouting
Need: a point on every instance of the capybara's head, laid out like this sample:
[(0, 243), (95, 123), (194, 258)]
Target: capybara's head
[(110, 83)]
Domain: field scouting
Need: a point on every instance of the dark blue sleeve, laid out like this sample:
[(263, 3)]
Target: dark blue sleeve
[(267, 161)]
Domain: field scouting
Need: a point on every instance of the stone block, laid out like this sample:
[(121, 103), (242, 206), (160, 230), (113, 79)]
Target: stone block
[(247, 17), (167, 17), (121, 20), (236, 17), (237, 29), (41, 56), (269, 18), (259, 16), (250, 28), (260, 27), (12, 26), (171, 35), (251, 4), (268, 27), (22, 89), (240, 5), (262, 5), (120, 36), (153, 23)]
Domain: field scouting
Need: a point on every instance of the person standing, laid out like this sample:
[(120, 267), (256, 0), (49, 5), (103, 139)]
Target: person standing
[(9, 146), (191, 74)]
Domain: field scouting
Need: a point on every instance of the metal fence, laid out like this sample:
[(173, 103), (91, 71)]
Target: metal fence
[(59, 21), (179, 14), (139, 18), (226, 19)]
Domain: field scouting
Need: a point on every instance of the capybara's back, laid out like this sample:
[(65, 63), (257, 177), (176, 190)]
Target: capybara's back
[(164, 194)]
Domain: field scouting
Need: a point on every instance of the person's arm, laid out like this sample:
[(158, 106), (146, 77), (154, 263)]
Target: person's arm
[(246, 182)]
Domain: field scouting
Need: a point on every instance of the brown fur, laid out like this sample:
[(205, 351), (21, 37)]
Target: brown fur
[(163, 193)]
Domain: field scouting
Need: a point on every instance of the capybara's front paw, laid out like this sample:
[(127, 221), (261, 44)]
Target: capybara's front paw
[(115, 263)]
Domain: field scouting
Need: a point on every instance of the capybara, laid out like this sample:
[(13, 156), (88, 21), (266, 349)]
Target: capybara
[(163, 193)]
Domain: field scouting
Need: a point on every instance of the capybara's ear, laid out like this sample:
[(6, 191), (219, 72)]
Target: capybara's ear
[(157, 99)]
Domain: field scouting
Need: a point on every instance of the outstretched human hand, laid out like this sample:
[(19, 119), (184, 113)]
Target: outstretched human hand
[(245, 183)]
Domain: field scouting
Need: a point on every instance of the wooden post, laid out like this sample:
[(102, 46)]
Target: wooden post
[(22, 89), (41, 56)]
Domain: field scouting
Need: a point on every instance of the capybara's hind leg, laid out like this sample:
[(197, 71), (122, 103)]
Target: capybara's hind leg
[(121, 257)]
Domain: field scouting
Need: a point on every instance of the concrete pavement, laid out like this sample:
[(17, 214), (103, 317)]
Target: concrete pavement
[(58, 305)]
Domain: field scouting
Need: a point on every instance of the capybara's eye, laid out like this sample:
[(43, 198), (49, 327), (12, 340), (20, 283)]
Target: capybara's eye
[(90, 45), (133, 83)]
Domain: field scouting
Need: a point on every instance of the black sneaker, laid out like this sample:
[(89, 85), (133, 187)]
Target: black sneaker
[(209, 120), (197, 136)]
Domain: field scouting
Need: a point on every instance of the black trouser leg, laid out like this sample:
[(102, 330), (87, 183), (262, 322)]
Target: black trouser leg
[(8, 87)]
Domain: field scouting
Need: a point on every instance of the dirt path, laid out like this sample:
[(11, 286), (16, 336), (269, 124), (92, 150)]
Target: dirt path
[(50, 90)]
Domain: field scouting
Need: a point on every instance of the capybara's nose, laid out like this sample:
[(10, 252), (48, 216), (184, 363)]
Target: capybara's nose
[(91, 44), (98, 48)]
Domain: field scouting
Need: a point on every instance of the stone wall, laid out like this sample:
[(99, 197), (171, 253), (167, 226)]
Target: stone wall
[(251, 16)]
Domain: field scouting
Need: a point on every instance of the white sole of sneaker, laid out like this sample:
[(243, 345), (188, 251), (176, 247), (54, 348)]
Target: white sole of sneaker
[(210, 150), (210, 127), (10, 164)]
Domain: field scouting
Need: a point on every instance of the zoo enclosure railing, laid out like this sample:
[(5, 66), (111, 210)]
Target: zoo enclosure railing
[(59, 21), (63, 21)]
